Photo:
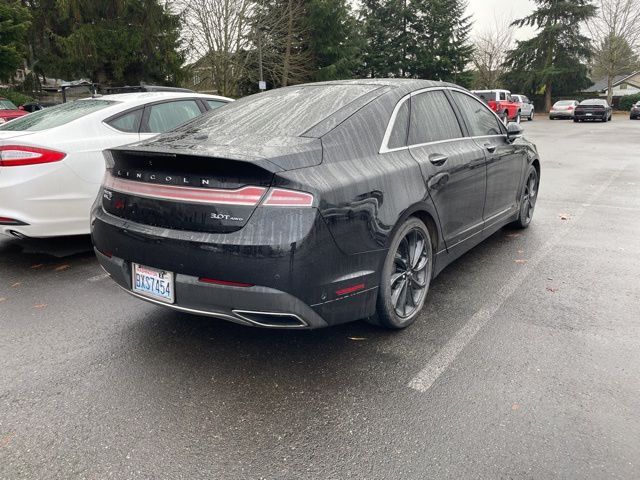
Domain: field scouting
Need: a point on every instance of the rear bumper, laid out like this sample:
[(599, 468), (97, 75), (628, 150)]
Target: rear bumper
[(251, 306), (560, 114), (593, 116), (47, 200), (295, 275)]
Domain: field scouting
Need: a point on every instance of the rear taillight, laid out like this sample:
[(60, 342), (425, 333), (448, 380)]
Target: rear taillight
[(10, 221), (18, 155), (279, 197), (570, 108)]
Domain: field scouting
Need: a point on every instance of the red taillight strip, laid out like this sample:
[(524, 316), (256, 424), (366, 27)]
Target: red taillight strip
[(224, 282), (249, 196)]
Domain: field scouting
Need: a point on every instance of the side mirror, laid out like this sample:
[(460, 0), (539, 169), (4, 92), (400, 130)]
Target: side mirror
[(514, 130)]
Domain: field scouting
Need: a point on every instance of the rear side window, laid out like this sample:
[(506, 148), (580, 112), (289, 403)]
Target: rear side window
[(167, 116), (479, 119), (432, 119), (56, 116), (129, 122), (398, 137), (7, 105), (213, 104)]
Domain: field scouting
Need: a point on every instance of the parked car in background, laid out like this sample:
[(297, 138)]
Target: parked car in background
[(563, 109), (527, 109), (635, 111), (51, 161), (313, 205), (31, 107), (500, 101), (8, 111), (593, 109)]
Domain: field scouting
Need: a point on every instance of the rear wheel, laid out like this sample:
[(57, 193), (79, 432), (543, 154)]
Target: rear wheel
[(529, 197), (531, 116), (518, 118), (406, 276)]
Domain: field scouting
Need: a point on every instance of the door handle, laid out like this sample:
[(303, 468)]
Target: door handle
[(490, 147), (438, 159)]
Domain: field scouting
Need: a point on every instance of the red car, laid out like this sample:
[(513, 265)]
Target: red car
[(8, 111), (500, 101)]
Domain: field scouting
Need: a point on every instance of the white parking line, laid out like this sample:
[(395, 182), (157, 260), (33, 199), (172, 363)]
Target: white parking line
[(447, 354)]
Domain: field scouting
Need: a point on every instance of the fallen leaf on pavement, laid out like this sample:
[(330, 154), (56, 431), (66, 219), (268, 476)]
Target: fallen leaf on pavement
[(5, 440), (357, 339), (17, 284), (520, 261), (2, 299), (62, 267), (515, 406), (33, 267), (513, 235), (552, 290), (40, 306), (564, 216)]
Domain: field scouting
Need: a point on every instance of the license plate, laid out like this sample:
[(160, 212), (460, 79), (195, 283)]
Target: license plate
[(153, 283), (589, 114)]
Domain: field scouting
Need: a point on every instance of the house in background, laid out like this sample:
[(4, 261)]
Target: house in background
[(627, 84)]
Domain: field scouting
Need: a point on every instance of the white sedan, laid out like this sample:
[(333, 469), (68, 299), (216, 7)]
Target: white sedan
[(51, 162)]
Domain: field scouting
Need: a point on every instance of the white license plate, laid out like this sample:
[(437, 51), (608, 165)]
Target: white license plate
[(589, 114), (153, 283)]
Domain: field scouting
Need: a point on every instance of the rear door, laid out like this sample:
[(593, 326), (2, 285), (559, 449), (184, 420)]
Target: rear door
[(504, 161), (165, 116), (452, 165)]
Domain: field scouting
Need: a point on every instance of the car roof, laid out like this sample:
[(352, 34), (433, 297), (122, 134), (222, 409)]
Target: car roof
[(141, 98)]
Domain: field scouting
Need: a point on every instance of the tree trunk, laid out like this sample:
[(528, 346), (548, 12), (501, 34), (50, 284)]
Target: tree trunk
[(547, 97), (609, 89), (287, 53)]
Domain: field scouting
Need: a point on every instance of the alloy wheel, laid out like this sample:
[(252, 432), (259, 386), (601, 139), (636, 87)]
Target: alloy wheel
[(410, 278), (530, 195)]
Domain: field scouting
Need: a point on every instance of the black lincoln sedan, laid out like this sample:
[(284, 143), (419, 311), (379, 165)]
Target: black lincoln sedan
[(313, 205), (593, 109), (635, 111)]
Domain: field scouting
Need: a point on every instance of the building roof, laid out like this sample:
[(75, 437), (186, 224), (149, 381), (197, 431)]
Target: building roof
[(601, 85)]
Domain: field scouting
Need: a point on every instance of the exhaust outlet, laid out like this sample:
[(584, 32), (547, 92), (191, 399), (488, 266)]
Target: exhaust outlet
[(271, 319)]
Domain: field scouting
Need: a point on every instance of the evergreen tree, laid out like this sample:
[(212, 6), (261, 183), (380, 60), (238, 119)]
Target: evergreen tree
[(107, 41), (555, 59), (14, 22), (417, 38), (334, 43)]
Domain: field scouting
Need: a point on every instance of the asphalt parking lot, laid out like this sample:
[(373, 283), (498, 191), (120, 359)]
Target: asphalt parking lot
[(525, 363)]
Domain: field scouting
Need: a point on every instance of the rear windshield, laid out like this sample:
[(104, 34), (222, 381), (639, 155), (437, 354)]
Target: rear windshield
[(564, 103), (287, 111), (486, 96), (56, 116), (7, 105), (593, 102)]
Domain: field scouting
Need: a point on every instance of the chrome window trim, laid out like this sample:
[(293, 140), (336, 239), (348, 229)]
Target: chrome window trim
[(387, 134)]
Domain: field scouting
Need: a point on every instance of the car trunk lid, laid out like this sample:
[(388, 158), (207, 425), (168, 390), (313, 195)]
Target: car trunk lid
[(198, 185)]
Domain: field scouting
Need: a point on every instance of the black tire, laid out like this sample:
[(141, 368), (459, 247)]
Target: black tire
[(518, 118), (399, 307), (528, 198), (575, 120), (531, 115)]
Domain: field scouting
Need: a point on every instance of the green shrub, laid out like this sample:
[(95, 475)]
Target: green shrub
[(16, 97), (627, 101)]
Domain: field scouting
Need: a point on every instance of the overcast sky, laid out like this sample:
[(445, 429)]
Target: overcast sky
[(485, 12)]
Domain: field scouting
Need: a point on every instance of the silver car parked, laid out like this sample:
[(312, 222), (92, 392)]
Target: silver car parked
[(563, 109), (526, 106)]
